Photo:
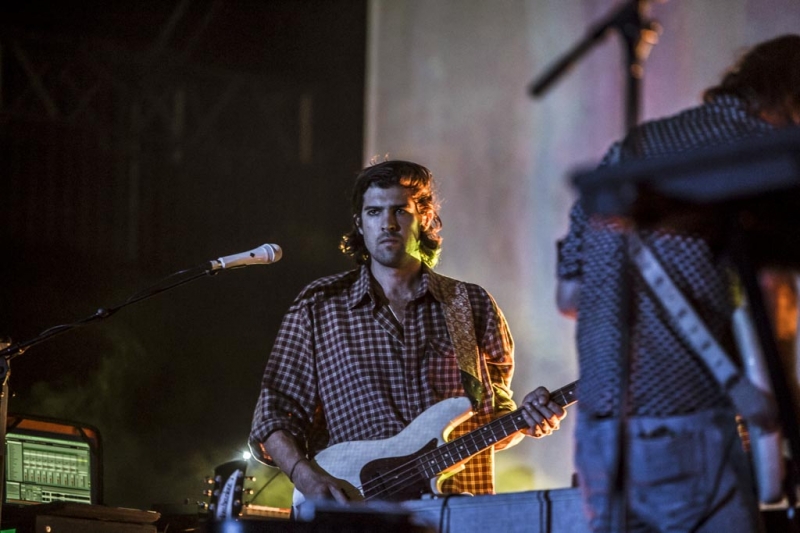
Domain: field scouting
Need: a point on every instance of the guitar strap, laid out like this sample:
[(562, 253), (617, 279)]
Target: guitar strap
[(687, 321), (740, 390), (461, 327)]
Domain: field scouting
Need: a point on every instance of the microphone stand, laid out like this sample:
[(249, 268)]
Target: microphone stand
[(11, 351), (639, 35)]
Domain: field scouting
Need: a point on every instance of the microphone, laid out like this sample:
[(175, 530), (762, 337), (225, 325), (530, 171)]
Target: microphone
[(263, 255)]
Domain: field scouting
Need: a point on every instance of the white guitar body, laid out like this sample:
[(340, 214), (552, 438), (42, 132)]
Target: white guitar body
[(415, 461), (346, 460), (766, 449)]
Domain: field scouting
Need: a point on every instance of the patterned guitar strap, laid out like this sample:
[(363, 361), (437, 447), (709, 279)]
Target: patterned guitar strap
[(458, 315), (744, 395)]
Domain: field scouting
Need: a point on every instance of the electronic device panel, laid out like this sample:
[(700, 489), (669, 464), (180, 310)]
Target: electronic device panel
[(49, 461)]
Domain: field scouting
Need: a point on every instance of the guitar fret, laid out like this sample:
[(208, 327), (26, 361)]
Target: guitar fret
[(429, 469)]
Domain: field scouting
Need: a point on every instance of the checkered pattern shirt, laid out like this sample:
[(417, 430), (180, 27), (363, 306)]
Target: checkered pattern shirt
[(666, 377), (343, 368)]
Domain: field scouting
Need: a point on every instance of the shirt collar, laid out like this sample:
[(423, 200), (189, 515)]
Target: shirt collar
[(432, 282), (362, 288)]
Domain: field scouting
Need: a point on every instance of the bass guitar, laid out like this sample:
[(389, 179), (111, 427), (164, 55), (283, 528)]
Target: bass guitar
[(766, 448), (416, 460)]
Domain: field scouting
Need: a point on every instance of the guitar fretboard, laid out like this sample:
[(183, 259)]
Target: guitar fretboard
[(434, 462)]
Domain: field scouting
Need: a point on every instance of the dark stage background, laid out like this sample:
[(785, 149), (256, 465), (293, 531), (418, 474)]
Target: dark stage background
[(140, 138)]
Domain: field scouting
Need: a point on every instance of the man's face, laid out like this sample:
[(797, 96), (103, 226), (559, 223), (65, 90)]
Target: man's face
[(390, 224)]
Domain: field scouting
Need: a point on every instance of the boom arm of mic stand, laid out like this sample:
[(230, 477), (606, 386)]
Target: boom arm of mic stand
[(630, 24), (542, 84)]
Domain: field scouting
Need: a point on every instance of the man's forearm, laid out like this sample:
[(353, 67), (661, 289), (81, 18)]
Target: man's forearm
[(282, 447), (311, 480)]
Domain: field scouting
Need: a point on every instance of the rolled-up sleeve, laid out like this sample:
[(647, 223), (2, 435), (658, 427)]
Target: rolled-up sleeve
[(570, 265), (287, 400), (570, 248)]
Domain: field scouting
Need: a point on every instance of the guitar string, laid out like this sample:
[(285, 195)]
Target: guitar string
[(565, 395), (418, 464), (421, 463)]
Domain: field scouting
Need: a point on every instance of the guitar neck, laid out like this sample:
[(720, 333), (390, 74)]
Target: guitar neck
[(464, 447)]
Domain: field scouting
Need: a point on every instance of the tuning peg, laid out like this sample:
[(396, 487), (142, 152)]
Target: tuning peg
[(248, 491), (209, 480), (249, 478), (208, 492)]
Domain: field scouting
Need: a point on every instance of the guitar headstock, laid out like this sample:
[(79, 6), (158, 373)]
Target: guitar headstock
[(226, 489), (244, 489)]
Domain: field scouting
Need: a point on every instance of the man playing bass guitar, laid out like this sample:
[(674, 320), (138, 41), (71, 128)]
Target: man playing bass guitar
[(361, 354)]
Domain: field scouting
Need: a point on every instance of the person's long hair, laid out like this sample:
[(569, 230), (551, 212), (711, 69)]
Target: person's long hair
[(419, 181), (767, 78)]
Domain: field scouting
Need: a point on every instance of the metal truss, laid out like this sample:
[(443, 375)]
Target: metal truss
[(154, 114)]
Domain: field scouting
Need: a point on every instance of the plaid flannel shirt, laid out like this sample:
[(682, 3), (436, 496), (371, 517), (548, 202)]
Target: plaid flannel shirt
[(342, 368)]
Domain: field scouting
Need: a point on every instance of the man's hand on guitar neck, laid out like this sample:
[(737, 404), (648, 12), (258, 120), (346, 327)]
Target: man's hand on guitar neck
[(541, 413)]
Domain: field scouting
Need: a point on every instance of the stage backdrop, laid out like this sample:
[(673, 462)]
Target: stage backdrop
[(447, 87)]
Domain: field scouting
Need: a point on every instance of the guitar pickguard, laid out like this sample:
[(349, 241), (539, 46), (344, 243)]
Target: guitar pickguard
[(396, 478)]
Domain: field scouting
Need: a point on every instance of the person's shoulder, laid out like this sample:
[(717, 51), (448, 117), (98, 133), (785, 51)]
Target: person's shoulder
[(721, 121), (689, 113), (327, 287), (473, 289)]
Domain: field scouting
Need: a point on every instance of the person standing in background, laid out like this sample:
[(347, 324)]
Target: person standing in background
[(685, 469)]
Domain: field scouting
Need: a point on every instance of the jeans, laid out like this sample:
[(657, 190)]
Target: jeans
[(685, 473)]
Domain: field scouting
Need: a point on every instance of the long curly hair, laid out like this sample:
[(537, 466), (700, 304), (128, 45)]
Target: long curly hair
[(767, 78), (416, 178)]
